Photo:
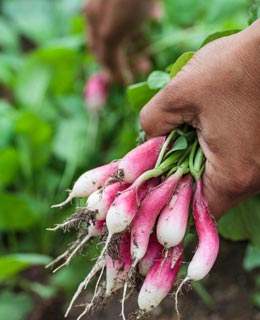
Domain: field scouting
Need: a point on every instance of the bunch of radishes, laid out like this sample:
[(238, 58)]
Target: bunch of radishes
[(139, 207)]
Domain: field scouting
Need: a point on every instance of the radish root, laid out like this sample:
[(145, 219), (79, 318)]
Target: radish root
[(186, 279)]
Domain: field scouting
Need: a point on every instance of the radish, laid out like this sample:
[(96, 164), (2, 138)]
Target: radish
[(208, 247), (94, 230), (140, 159), (154, 251), (90, 181), (172, 222), (117, 268), (150, 208), (125, 205), (100, 200), (160, 279), (96, 91)]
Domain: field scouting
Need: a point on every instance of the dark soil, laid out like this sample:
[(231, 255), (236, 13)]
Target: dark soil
[(228, 284)]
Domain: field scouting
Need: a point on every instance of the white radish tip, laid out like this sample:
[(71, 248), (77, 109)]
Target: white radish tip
[(62, 204)]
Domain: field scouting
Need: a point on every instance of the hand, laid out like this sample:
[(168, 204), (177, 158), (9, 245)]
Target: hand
[(112, 23), (218, 93)]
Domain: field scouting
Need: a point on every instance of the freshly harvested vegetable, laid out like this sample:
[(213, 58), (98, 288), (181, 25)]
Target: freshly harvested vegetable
[(96, 91), (160, 279), (208, 247), (153, 252), (139, 208), (140, 159), (100, 201), (149, 210), (172, 223), (90, 181), (117, 267)]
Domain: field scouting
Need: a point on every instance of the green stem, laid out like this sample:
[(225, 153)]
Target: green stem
[(156, 172), (185, 154), (180, 132), (191, 157), (196, 162), (164, 147), (199, 159), (183, 168), (174, 169)]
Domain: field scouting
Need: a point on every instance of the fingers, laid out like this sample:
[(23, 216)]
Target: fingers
[(114, 60), (214, 186), (170, 108)]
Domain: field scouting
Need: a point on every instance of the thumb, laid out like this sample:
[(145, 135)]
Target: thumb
[(171, 107)]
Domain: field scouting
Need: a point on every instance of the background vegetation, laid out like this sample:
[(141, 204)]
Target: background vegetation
[(48, 136)]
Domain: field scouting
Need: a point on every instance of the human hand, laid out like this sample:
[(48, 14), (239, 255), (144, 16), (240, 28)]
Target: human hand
[(111, 24), (218, 93)]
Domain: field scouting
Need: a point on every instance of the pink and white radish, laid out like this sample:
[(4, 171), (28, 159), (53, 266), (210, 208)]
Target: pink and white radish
[(208, 246), (160, 279), (100, 200), (153, 252), (117, 268), (90, 181), (96, 91), (149, 210), (172, 222), (140, 159), (123, 209)]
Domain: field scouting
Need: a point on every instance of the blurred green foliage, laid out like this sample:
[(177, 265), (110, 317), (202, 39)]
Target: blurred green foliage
[(48, 136)]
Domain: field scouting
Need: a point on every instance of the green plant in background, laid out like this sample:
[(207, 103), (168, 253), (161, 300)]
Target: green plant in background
[(48, 136), (46, 140)]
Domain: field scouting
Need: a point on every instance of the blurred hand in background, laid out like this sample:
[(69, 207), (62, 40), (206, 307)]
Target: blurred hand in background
[(114, 25)]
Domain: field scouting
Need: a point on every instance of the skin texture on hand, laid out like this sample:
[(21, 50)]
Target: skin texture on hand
[(111, 24), (218, 93)]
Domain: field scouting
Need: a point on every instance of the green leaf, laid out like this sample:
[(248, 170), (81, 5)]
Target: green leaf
[(242, 222), (58, 57), (9, 164), (13, 263), (32, 83), (254, 11), (139, 94), (9, 37), (9, 66), (180, 62), (218, 35), (45, 292), (256, 299), (14, 306), (180, 144), (252, 258), (8, 117), (158, 79), (71, 140), (35, 129), (16, 213), (203, 293)]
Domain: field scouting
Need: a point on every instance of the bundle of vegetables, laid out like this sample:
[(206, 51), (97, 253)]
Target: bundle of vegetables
[(139, 208)]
